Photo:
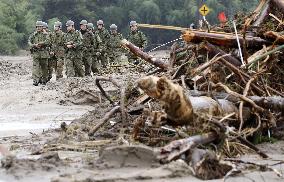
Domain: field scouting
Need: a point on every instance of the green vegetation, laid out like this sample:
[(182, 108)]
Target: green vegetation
[(17, 17)]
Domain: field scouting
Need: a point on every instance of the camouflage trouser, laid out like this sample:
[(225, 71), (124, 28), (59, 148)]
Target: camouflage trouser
[(59, 63), (51, 65), (40, 70), (74, 67), (115, 57), (95, 65), (87, 60), (103, 59)]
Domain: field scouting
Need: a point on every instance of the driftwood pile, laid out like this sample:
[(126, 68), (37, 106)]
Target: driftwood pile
[(212, 93)]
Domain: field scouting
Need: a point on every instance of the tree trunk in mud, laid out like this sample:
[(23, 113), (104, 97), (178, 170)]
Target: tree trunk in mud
[(180, 109)]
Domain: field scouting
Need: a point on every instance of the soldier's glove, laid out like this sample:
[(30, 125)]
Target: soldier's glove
[(98, 53), (52, 53), (36, 45)]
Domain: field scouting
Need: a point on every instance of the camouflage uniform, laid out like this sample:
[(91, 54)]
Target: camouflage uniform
[(50, 61), (96, 47), (139, 39), (87, 48), (73, 56), (57, 48), (114, 45), (104, 36), (39, 42)]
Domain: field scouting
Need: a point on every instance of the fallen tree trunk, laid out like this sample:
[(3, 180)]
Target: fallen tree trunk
[(263, 14), (274, 103), (180, 109), (138, 52), (256, 12), (274, 36), (279, 3), (213, 50), (223, 39)]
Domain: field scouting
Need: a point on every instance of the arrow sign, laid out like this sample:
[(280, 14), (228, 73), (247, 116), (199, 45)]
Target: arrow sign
[(204, 10)]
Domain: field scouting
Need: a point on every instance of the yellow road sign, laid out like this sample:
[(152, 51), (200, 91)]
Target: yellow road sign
[(204, 10)]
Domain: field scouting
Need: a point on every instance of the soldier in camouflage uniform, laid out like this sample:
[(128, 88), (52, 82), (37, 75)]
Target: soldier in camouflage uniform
[(96, 47), (114, 45), (50, 64), (57, 49), (39, 42), (87, 46), (73, 56), (104, 36), (137, 38)]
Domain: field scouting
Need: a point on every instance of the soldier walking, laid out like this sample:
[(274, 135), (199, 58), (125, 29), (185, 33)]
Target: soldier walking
[(114, 45), (39, 42), (73, 55), (57, 49), (96, 48), (104, 36), (87, 46), (50, 64), (137, 38)]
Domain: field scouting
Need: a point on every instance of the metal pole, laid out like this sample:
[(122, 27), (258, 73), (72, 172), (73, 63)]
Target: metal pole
[(239, 45)]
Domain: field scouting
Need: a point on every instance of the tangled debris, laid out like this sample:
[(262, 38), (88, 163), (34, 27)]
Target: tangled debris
[(203, 106)]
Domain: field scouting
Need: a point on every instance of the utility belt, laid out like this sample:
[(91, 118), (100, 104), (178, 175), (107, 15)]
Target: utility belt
[(34, 49)]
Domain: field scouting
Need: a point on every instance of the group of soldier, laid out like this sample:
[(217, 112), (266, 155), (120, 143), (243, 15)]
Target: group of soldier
[(82, 52)]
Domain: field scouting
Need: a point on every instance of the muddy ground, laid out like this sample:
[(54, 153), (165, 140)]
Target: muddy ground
[(29, 121)]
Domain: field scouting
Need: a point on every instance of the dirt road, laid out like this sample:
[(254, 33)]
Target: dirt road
[(25, 108)]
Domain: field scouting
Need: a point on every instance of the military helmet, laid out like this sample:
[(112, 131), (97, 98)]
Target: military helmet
[(83, 22), (100, 22), (45, 25), (58, 24), (113, 27), (39, 24), (132, 23), (90, 26), (69, 23)]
